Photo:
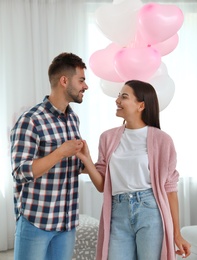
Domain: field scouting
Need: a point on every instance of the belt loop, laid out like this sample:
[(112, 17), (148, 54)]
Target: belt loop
[(138, 196), (119, 198)]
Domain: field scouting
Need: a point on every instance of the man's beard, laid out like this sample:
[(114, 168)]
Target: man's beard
[(76, 98)]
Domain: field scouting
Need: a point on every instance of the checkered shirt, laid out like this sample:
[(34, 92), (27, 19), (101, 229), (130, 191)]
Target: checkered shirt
[(49, 202)]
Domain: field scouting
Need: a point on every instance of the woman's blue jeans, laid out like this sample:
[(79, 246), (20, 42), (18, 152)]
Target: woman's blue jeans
[(32, 243), (136, 227)]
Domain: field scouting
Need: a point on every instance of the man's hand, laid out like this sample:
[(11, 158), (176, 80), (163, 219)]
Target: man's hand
[(70, 148)]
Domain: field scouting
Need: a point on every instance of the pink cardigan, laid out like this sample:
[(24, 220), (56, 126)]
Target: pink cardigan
[(164, 178)]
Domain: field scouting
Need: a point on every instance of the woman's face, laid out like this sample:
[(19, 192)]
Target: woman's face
[(127, 105)]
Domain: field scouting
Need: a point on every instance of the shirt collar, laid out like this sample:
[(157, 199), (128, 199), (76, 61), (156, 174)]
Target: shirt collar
[(55, 110)]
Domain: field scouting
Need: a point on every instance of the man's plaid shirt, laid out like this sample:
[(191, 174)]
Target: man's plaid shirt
[(51, 201)]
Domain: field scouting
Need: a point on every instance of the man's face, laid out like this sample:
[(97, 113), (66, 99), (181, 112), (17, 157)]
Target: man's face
[(76, 87)]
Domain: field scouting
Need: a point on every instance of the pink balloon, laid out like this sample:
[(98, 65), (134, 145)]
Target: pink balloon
[(137, 63), (102, 63), (159, 22), (167, 46)]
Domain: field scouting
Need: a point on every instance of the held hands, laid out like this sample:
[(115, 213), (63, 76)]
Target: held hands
[(183, 247), (70, 148), (84, 153), (76, 147)]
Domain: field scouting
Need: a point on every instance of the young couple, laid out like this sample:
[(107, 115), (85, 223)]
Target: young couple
[(136, 170)]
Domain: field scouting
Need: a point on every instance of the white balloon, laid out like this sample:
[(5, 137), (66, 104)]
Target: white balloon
[(110, 88), (118, 22), (162, 70), (165, 88)]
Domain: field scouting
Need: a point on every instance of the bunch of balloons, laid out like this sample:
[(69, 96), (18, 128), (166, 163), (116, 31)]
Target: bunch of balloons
[(140, 35)]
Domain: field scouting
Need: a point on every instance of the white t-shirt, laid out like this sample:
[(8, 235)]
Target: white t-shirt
[(129, 167)]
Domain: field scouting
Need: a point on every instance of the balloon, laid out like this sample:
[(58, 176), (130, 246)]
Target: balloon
[(162, 70), (136, 63), (102, 63), (163, 48), (138, 42), (118, 22), (167, 46), (159, 22), (165, 88), (110, 88)]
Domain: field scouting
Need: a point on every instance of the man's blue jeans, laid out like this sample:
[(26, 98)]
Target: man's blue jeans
[(32, 243), (136, 227)]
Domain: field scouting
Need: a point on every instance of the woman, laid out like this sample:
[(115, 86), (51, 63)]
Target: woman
[(136, 170)]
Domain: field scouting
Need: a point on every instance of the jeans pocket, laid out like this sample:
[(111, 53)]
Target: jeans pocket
[(150, 202)]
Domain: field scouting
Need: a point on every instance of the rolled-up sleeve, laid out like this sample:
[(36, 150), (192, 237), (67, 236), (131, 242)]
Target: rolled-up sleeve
[(24, 143), (171, 184)]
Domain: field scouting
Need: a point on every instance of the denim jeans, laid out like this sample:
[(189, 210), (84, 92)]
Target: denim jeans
[(32, 243), (136, 227)]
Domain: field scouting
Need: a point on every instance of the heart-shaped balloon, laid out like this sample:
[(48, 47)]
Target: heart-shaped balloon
[(137, 63), (102, 63), (118, 22), (167, 46), (158, 22)]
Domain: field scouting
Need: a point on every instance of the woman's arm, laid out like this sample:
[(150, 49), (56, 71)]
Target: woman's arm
[(181, 243), (95, 176)]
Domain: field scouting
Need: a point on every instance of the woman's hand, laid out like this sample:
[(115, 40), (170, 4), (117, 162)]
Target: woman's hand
[(95, 176), (183, 247), (84, 153)]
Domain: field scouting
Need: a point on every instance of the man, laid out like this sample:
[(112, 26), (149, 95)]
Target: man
[(44, 143)]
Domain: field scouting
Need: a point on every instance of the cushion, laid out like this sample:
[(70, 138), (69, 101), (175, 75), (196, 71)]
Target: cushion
[(86, 238)]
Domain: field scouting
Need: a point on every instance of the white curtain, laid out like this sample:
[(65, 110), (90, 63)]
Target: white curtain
[(32, 33), (179, 117)]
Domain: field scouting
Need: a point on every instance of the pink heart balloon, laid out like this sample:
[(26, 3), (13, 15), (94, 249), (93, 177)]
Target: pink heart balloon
[(137, 63), (102, 63), (167, 46), (159, 22)]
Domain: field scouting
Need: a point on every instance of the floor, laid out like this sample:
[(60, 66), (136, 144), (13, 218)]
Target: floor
[(7, 255)]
